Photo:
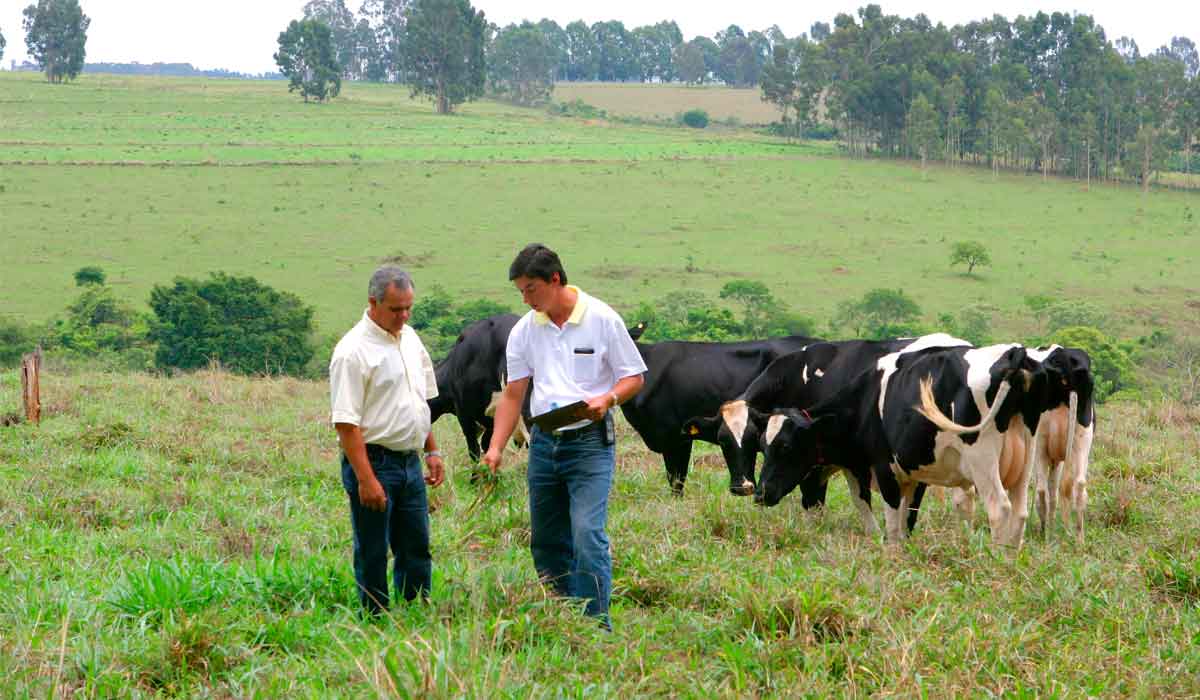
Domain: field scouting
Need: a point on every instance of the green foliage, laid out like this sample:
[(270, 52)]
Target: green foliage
[(972, 324), (56, 36), (99, 326), (15, 341), (2, 43), (923, 128), (439, 320), (880, 313), (577, 108), (695, 118), (444, 50), (306, 57), (1064, 314), (237, 321), (89, 275), (1111, 365), (971, 254), (521, 64), (690, 315)]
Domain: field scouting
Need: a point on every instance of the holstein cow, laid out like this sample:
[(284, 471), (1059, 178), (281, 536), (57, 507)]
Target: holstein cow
[(686, 379), (473, 373), (798, 380), (890, 426)]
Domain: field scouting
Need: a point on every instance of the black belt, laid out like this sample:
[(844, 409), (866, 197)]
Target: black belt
[(595, 427), (381, 450)]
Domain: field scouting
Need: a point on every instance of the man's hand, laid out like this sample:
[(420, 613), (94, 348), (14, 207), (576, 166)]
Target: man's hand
[(492, 459), (437, 471), (371, 494), (597, 406)]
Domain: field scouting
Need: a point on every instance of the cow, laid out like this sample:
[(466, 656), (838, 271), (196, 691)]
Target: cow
[(686, 379), (473, 373), (798, 380), (470, 374), (889, 428)]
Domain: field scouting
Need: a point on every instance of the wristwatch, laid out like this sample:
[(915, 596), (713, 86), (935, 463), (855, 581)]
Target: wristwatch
[(433, 453)]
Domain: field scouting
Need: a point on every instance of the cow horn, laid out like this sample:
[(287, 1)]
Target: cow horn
[(928, 408)]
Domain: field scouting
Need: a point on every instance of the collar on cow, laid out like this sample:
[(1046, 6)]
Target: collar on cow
[(816, 436), (541, 318)]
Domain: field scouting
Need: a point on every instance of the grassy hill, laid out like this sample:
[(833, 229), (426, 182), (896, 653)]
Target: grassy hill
[(190, 536), (152, 178)]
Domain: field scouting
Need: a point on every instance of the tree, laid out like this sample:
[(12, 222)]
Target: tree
[(306, 57), (971, 253), (881, 313), (778, 81), (335, 15), (522, 64), (444, 50), (89, 275), (1, 45), (56, 35), (923, 127), (237, 321), (688, 61)]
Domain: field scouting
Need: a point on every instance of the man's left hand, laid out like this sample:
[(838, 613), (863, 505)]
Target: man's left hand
[(597, 406), (437, 471)]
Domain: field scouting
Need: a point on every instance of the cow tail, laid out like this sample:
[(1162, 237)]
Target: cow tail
[(928, 408), (1073, 416)]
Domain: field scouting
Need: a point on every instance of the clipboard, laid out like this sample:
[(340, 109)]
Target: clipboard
[(561, 416)]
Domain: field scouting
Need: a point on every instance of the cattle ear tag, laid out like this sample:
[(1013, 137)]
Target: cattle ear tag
[(693, 430)]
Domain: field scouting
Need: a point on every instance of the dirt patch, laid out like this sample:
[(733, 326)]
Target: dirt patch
[(614, 272), (407, 260), (7, 419), (839, 270), (1192, 303)]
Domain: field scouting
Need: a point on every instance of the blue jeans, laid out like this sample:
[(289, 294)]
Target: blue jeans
[(569, 481), (403, 527)]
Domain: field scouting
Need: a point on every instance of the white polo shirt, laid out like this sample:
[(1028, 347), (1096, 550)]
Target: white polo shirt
[(584, 358), (381, 384)]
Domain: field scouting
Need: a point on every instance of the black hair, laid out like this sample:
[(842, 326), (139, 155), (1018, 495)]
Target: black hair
[(537, 261)]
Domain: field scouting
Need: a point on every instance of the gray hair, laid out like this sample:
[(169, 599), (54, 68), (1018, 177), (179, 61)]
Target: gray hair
[(386, 276)]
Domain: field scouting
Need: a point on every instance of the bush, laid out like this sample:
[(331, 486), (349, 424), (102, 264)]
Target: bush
[(1111, 366), (15, 340), (238, 321), (695, 118), (881, 313)]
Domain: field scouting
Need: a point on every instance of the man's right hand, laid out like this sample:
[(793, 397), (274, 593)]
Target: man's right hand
[(492, 458), (372, 495)]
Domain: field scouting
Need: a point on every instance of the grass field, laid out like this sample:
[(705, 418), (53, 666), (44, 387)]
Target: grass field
[(321, 193), (189, 537), (650, 101)]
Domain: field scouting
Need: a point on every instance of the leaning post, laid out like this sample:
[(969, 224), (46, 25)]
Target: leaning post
[(31, 369)]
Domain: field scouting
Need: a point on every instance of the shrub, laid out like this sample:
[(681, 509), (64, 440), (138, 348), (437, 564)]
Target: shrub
[(238, 321), (15, 340), (1111, 366), (881, 313), (695, 118)]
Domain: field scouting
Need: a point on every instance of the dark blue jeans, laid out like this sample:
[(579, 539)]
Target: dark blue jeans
[(403, 528), (569, 481)]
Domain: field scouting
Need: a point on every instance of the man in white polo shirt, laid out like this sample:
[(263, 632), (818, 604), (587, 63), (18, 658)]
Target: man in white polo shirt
[(380, 378), (575, 348)]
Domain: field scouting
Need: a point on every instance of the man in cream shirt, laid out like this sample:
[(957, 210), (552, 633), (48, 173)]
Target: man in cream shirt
[(572, 347), (380, 379)]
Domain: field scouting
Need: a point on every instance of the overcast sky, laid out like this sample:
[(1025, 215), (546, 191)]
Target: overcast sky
[(240, 34)]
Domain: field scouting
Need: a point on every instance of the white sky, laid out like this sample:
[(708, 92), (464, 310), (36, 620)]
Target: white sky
[(240, 34)]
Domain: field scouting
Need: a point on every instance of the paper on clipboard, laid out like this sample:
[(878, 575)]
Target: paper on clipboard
[(561, 416)]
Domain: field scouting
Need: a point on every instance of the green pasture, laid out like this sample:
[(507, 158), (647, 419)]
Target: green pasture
[(189, 537)]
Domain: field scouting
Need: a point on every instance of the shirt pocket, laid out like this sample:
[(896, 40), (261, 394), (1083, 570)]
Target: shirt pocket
[(585, 364)]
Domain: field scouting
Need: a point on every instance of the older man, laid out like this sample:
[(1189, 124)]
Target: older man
[(380, 380), (576, 349)]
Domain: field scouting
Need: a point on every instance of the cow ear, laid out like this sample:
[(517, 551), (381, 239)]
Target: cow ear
[(701, 428)]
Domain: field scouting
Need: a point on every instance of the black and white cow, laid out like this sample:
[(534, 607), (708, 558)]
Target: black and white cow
[(1066, 426), (895, 426), (798, 380), (686, 379)]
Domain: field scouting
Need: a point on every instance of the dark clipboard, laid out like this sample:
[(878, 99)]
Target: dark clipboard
[(562, 416)]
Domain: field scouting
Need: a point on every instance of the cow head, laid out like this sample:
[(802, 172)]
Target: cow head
[(792, 446), (739, 454), (1069, 370)]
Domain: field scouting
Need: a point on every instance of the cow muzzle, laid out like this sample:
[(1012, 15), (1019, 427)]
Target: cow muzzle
[(746, 488)]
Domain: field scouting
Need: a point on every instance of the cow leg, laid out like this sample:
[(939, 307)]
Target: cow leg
[(964, 504), (1018, 496), (471, 435), (676, 458), (984, 473), (1044, 490), (813, 489), (895, 516), (1076, 504), (918, 496), (860, 495)]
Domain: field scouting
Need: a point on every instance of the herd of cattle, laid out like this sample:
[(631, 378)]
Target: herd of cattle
[(890, 415)]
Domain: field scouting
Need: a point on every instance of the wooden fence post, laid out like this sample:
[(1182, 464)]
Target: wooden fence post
[(31, 369)]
